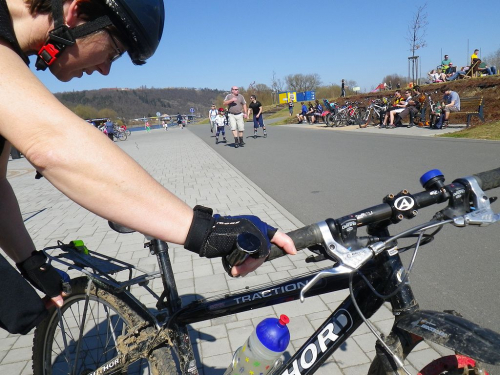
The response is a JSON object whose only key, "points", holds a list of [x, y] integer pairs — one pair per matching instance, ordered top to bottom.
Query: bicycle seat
{"points": [[119, 228]]}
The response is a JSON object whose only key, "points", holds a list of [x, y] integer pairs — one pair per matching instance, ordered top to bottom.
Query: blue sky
{"points": [[217, 44]]}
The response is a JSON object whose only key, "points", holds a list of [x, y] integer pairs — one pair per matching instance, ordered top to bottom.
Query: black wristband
{"points": [[202, 224]]}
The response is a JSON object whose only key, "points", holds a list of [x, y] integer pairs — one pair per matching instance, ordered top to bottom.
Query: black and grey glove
{"points": [[216, 236], [41, 275]]}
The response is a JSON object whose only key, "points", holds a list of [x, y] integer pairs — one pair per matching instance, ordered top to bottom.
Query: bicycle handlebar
{"points": [[488, 180], [311, 235]]}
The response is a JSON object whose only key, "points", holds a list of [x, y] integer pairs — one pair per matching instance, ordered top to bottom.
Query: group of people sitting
{"points": [[449, 72], [413, 104], [311, 113]]}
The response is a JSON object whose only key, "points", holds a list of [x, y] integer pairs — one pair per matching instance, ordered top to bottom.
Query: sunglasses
{"points": [[118, 51]]}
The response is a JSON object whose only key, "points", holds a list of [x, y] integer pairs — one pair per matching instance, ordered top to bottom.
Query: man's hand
{"points": [[245, 115], [217, 236], [280, 239], [41, 275], [54, 301]]}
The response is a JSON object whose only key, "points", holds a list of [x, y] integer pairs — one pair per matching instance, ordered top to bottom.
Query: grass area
{"points": [[490, 131]]}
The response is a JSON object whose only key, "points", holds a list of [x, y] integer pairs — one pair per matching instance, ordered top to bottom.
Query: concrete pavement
{"points": [[414, 131], [189, 168]]}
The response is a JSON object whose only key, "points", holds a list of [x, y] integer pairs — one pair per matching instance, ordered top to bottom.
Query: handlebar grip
{"points": [[489, 179], [302, 238]]}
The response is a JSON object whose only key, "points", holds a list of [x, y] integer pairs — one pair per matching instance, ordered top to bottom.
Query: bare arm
{"points": [[227, 102], [47, 141], [14, 238]]}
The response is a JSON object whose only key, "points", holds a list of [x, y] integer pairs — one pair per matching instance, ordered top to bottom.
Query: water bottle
{"points": [[263, 349]]}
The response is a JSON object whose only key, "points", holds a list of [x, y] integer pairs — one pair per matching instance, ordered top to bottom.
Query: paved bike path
{"points": [[189, 168]]}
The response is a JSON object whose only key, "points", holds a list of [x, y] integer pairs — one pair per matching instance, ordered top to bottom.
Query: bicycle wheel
{"points": [[367, 115], [329, 119], [338, 120], [128, 132], [122, 136], [89, 339], [449, 365]]}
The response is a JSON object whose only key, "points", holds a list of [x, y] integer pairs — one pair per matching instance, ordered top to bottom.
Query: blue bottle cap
{"points": [[273, 333]]}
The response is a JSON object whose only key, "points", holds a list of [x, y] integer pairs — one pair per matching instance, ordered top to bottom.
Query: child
{"points": [[220, 121]]}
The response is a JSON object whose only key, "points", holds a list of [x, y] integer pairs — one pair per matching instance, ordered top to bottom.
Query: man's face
{"points": [[93, 53], [235, 91]]}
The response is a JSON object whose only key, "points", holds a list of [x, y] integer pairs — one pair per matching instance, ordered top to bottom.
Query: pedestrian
{"points": [[83, 37], [343, 86], [237, 107], [290, 107], [212, 114], [258, 120], [179, 121], [220, 122], [165, 125], [147, 126], [109, 129]]}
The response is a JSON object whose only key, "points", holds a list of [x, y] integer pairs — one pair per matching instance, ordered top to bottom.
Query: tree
{"points": [[416, 35], [493, 59], [393, 79], [302, 82], [276, 87], [262, 91], [85, 111], [107, 113]]}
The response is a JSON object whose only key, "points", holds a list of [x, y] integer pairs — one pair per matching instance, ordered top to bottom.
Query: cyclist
{"points": [[70, 38]]}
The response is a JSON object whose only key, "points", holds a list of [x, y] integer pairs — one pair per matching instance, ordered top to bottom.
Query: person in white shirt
{"points": [[212, 114]]}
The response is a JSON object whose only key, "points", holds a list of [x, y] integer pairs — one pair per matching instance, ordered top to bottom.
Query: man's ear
{"points": [[72, 17]]}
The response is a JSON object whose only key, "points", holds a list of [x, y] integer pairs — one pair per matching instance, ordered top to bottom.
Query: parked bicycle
{"points": [[375, 112], [349, 114], [119, 133], [102, 327]]}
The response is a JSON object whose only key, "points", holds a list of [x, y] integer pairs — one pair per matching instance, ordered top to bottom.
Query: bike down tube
{"points": [[334, 331]]}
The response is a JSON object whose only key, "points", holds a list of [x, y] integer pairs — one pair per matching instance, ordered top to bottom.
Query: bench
{"points": [[471, 107]]}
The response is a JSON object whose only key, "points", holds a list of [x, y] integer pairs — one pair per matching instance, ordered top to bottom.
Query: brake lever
{"points": [[483, 214], [348, 261]]}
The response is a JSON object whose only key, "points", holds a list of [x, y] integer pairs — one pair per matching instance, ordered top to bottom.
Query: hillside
{"points": [[134, 103]]}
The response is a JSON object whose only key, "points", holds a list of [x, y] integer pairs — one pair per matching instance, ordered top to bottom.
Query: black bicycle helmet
{"points": [[139, 23]]}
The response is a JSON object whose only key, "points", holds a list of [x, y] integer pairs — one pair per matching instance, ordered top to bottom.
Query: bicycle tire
{"points": [[367, 115], [329, 119], [338, 120], [128, 133], [122, 136], [97, 344], [449, 365]]}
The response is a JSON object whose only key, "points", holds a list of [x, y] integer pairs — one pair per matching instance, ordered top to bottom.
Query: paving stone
{"points": [[194, 176]]}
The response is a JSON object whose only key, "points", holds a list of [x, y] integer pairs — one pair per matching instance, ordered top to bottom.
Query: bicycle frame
{"points": [[384, 273], [334, 331]]}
